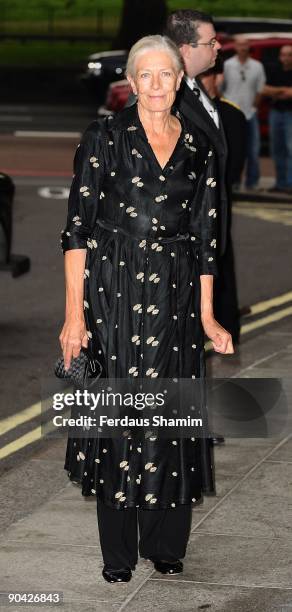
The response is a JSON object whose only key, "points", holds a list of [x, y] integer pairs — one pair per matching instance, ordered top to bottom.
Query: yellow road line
{"points": [[268, 304], [276, 316], [248, 327], [25, 415], [21, 417], [28, 438]]}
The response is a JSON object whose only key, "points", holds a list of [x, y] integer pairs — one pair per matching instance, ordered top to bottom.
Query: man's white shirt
{"points": [[192, 83]]}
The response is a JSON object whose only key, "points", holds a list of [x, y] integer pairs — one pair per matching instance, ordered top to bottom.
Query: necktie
{"points": [[196, 91]]}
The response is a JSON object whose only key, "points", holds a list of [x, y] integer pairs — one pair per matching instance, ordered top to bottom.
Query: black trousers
{"points": [[164, 534]]}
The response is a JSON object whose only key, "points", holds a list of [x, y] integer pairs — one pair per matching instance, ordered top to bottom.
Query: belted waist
{"points": [[160, 239]]}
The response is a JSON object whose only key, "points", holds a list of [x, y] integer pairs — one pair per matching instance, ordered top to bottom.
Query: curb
{"points": [[263, 196]]}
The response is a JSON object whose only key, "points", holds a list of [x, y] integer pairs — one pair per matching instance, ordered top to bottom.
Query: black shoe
{"points": [[217, 440], [168, 567], [117, 575]]}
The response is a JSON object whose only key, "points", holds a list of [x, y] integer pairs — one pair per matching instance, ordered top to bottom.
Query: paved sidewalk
{"points": [[266, 181], [239, 556]]}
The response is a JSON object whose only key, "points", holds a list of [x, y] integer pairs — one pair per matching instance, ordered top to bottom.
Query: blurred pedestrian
{"points": [[244, 79], [279, 88], [234, 123]]}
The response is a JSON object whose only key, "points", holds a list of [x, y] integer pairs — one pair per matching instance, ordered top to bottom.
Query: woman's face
{"points": [[156, 80]]}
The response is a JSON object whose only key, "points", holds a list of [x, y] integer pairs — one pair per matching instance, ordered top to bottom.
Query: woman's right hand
{"points": [[72, 337]]}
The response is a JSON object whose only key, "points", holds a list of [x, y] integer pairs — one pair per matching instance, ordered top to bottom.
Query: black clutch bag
{"points": [[82, 369]]}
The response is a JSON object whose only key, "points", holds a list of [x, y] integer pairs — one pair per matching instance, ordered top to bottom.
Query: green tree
{"points": [[140, 19]]}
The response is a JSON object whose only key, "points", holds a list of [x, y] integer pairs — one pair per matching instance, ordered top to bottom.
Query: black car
{"points": [[243, 25], [102, 69]]}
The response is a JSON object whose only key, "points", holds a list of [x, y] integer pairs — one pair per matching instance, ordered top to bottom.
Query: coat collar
{"points": [[194, 110], [128, 119]]}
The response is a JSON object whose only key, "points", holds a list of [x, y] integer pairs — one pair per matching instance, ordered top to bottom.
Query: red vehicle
{"points": [[264, 47]]}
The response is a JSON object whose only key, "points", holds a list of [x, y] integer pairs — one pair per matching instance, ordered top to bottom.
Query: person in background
{"points": [[194, 34], [244, 80], [279, 88], [234, 123]]}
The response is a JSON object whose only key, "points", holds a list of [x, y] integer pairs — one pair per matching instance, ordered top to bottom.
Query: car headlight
{"points": [[95, 67]]}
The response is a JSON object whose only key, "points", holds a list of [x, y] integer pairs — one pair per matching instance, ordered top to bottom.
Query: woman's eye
{"points": [[166, 73], [144, 75]]}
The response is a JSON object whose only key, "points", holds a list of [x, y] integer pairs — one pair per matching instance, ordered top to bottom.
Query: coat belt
{"points": [[161, 240]]}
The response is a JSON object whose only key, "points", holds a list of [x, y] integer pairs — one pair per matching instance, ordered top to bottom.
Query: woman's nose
{"points": [[156, 82]]}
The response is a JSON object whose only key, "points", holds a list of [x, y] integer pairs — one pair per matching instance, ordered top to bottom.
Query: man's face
{"points": [[242, 48], [202, 57], [285, 57]]}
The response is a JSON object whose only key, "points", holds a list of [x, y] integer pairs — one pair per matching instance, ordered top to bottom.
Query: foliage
{"points": [[38, 9], [98, 18]]}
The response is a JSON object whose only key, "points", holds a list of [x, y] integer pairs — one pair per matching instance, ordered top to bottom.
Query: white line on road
{"points": [[8, 108], [8, 118], [43, 134]]}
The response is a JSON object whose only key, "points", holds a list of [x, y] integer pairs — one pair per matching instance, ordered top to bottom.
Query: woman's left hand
{"points": [[220, 338]]}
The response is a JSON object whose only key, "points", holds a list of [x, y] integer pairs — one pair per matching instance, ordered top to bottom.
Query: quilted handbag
{"points": [[82, 368]]}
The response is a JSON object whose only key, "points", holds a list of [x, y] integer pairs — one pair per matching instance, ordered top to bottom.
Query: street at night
{"points": [[239, 555]]}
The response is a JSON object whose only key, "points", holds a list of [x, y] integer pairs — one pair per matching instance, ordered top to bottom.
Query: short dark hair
{"points": [[182, 26]]}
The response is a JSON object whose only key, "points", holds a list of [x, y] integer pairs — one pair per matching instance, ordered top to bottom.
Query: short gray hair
{"points": [[149, 43]]}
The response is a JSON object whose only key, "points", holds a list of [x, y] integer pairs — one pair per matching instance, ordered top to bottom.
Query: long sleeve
{"points": [[85, 188], [203, 217]]}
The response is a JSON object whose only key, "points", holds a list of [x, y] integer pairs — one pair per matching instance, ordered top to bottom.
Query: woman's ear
{"points": [[179, 79], [132, 83]]}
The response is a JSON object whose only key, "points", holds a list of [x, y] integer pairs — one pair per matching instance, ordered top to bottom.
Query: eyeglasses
{"points": [[211, 43], [242, 74]]}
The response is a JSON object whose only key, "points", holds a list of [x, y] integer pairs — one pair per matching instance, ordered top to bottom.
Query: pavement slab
{"points": [[284, 453], [24, 490], [267, 517], [69, 522], [237, 561], [74, 570], [164, 595]]}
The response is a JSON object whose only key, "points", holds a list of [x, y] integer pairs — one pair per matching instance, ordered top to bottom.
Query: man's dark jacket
{"points": [[189, 104]]}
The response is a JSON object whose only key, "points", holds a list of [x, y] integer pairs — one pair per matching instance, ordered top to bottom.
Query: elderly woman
{"points": [[140, 250]]}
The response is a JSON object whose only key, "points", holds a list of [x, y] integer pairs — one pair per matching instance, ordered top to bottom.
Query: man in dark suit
{"points": [[194, 34], [234, 122]]}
